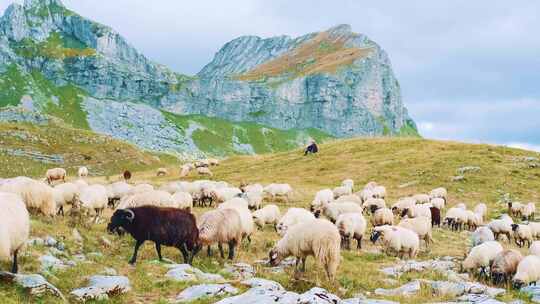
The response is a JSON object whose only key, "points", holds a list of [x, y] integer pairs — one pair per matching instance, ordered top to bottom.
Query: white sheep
{"points": [[185, 169], [204, 171], [82, 172], [162, 172], [56, 174], [81, 183], [348, 183], [140, 188], [252, 188], [279, 190], [116, 191], [341, 191], [379, 192], [439, 193], [35, 194], [65, 194], [365, 194], [220, 195], [324, 196], [93, 198], [148, 198], [349, 198], [421, 198], [183, 200], [254, 200], [438, 203], [373, 204], [402, 204], [461, 206], [515, 208], [481, 209], [333, 210], [417, 211], [528, 211], [270, 214], [245, 215], [383, 216], [292, 217], [455, 218], [473, 219], [421, 225], [220, 226], [351, 226], [501, 226], [14, 227], [535, 229], [522, 234], [482, 235], [318, 238], [398, 239], [535, 248], [481, 256], [528, 271]]}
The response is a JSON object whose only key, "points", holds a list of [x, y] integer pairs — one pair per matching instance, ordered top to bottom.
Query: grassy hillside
{"points": [[404, 166]]}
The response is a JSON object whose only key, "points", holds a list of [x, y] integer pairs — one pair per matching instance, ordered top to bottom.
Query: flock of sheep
{"points": [[336, 216]]}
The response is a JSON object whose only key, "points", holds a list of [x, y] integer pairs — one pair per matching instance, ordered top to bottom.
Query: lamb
{"points": [[204, 171], [82, 172], [162, 172], [55, 174], [348, 183], [279, 190], [341, 191], [439, 193], [35, 194], [65, 194], [324, 196], [94, 198], [421, 198], [183, 200], [437, 202], [515, 208], [481, 209], [333, 210], [528, 211], [268, 215], [382, 216], [292, 217], [246, 219], [351, 225], [420, 225], [164, 226], [220, 226], [501, 226], [14, 228], [482, 235], [522, 235], [318, 238], [401, 240], [535, 248], [481, 256], [504, 265], [528, 271]]}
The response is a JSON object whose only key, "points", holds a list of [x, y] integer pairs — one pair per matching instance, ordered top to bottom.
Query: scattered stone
{"points": [[468, 169], [50, 241], [36, 242], [61, 246], [57, 253], [51, 263], [441, 265], [109, 271], [240, 271], [185, 272], [257, 282], [34, 284], [102, 287], [408, 289], [205, 290], [454, 290], [533, 292], [263, 295], [317, 295], [367, 301]]}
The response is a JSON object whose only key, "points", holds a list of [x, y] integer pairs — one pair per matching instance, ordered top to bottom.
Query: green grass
{"points": [[57, 46], [13, 86], [408, 130]]}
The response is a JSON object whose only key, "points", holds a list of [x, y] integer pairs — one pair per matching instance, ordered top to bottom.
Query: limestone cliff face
{"points": [[63, 64]]}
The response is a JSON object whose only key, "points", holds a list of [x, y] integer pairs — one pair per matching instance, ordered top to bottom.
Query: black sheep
{"points": [[435, 216], [164, 226]]}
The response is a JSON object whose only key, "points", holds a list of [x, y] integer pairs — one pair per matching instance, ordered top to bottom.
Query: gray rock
{"points": [[468, 169], [458, 178], [50, 241], [36, 242], [51, 263], [418, 266], [109, 271], [240, 271], [185, 272], [264, 283], [34, 284], [101, 287], [408, 289], [205, 290], [533, 292], [263, 295], [318, 295], [367, 301]]}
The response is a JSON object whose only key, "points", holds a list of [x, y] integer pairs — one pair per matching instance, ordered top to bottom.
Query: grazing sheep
{"points": [[185, 169], [204, 171], [82, 172], [162, 172], [55, 174], [127, 175], [81, 183], [348, 183], [140, 188], [252, 188], [279, 190], [116, 191], [341, 191], [379, 192], [439, 193], [35, 194], [65, 194], [365, 194], [220, 195], [325, 196], [93, 198], [147, 198], [349, 198], [421, 198], [254, 199], [183, 200], [235, 202], [437, 202], [373, 204], [402, 204], [461, 206], [515, 208], [481, 209], [333, 210], [417, 210], [528, 211], [268, 215], [245, 216], [382, 216], [435, 216], [292, 217], [455, 218], [473, 219], [351, 225], [420, 225], [163, 226], [220, 226], [501, 226], [14, 227], [535, 229], [482, 235], [522, 235], [318, 238], [398, 239], [535, 248], [481, 256], [504, 265], [528, 271]]}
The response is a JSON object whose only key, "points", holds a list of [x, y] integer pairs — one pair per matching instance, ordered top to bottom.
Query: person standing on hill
{"points": [[311, 149]]}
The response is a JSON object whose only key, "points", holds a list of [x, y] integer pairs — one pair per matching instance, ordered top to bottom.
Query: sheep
{"points": [[213, 161], [202, 163], [185, 169], [204, 171], [82, 172], [162, 172], [55, 174], [126, 175], [81, 183], [348, 183], [252, 188], [279, 190], [116, 191], [341, 191], [379, 192], [439, 193], [35, 194], [65, 194], [224, 194], [365, 194], [324, 196], [94, 198], [148, 198], [349, 198], [421, 198], [254, 199], [183, 200], [235, 202], [437, 202], [373, 204], [402, 204], [461, 206], [515, 208], [481, 209], [333, 210], [417, 210], [528, 211], [268, 215], [382, 216], [435, 216], [292, 217], [246, 218], [455, 218], [507, 218], [473, 219], [351, 225], [420, 225], [163, 226], [220, 226], [501, 226], [14, 227], [535, 229], [482, 235], [522, 235], [318, 238], [401, 240], [535, 248], [481, 256], [504, 265], [528, 271]]}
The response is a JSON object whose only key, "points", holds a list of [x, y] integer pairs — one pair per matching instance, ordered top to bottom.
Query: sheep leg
{"points": [[348, 243], [359, 243], [232, 244], [158, 250], [209, 251], [221, 251], [184, 252], [134, 257], [304, 264], [15, 267]]}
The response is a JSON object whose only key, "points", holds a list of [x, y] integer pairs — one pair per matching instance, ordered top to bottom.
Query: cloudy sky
{"points": [[469, 70]]}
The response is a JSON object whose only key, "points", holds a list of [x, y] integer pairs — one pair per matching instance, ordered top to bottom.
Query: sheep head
{"points": [[120, 219], [274, 257]]}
